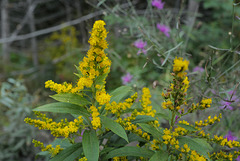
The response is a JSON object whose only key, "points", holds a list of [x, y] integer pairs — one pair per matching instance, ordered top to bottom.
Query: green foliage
{"points": [[61, 50], [71, 98], [62, 107], [114, 127], [121, 129], [15, 135], [90, 145], [130, 151], [70, 153], [160, 156]]}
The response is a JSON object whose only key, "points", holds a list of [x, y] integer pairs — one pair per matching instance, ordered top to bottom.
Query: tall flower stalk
{"points": [[104, 123]]}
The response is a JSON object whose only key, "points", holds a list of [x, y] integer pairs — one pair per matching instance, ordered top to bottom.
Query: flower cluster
{"points": [[158, 4], [164, 29], [141, 46], [95, 64], [179, 66], [126, 78], [175, 96], [145, 102], [205, 103], [227, 104], [119, 108], [208, 121], [96, 122], [63, 128], [170, 138], [180, 140], [225, 142], [53, 151], [224, 155], [194, 156], [124, 158], [83, 159]]}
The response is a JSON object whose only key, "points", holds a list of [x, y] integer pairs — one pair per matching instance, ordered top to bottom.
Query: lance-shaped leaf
{"points": [[99, 79], [119, 93], [71, 98], [61, 107], [162, 115], [143, 119], [114, 127], [187, 127], [152, 130], [90, 145], [199, 145], [130, 151], [69, 154], [159, 156]]}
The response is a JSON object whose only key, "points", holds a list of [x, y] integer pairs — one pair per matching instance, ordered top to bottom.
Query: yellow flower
{"points": [[95, 64], [180, 65]]}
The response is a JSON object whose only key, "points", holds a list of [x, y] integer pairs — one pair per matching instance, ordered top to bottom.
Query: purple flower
{"points": [[158, 3], [164, 29], [140, 45], [198, 69], [127, 78], [213, 91], [232, 93], [233, 97], [226, 105], [177, 117], [81, 134], [229, 136], [238, 158]]}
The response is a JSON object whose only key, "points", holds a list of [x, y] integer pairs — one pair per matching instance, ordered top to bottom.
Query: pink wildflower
{"points": [[158, 3], [164, 29], [140, 45], [198, 69], [127, 78], [232, 92], [233, 99], [226, 105], [177, 117], [229, 136], [238, 158]]}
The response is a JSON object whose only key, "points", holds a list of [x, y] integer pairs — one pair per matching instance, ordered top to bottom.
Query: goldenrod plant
{"points": [[109, 123]]}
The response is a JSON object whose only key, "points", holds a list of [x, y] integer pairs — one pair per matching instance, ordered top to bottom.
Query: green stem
{"points": [[231, 36], [172, 120]]}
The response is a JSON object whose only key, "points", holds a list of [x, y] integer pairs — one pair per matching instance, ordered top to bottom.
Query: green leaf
{"points": [[79, 74], [99, 79], [119, 93], [71, 98], [61, 107], [162, 115], [143, 119], [114, 127], [187, 127], [152, 130], [64, 143], [90, 145], [199, 145], [106, 150], [130, 151], [69, 154], [159, 156]]}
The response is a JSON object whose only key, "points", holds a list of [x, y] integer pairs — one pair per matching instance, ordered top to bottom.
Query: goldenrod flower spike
{"points": [[95, 64]]}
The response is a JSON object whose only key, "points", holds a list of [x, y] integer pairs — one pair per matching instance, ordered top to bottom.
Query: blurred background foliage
{"points": [[205, 32]]}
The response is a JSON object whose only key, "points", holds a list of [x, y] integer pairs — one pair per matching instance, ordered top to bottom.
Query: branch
{"points": [[25, 19], [56, 28], [51, 29]]}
